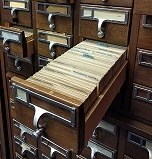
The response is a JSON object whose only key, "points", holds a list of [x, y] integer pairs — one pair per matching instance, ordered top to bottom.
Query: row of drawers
{"points": [[110, 140]]}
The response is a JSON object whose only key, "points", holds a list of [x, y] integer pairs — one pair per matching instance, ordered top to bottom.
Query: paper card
{"points": [[17, 5], [57, 9], [57, 39]]}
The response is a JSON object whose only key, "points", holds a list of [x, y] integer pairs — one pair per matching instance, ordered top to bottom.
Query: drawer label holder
{"points": [[16, 5], [53, 10], [103, 15], [54, 40], [23, 95], [141, 142], [25, 147], [96, 148], [54, 149]]}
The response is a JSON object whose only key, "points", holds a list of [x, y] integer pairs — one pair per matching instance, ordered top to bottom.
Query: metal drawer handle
{"points": [[14, 15], [103, 15], [51, 22], [52, 50], [141, 54], [42, 61], [18, 65], [148, 92], [105, 126], [140, 141], [25, 147], [54, 148], [96, 148]]}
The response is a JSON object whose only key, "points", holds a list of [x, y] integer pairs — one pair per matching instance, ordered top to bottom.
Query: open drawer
{"points": [[17, 40], [67, 121]]}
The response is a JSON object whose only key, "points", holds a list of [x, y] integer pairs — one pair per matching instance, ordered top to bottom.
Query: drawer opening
{"points": [[76, 89]]}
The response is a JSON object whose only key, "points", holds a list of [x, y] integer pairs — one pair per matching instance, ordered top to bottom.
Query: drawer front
{"points": [[58, 1], [120, 3], [143, 8], [17, 12], [54, 17], [98, 24], [145, 32], [13, 41], [52, 45], [20, 66], [143, 68], [141, 105], [44, 121], [23, 132], [107, 134], [138, 146], [52, 150], [26, 151], [97, 151]]}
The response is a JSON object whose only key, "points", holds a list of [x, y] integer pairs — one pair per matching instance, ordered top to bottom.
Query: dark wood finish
{"points": [[58, 1], [120, 3], [142, 8], [24, 18], [62, 24], [114, 33], [145, 38], [43, 50], [25, 64], [143, 73]]}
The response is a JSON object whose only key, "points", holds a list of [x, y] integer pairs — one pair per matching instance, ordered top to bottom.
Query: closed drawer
{"points": [[58, 1], [117, 3], [143, 8], [17, 12], [54, 17], [98, 23], [145, 32], [17, 41], [52, 44], [21, 66], [143, 68], [141, 105], [23, 132], [107, 134], [137, 146], [25, 150], [51, 150], [97, 151]]}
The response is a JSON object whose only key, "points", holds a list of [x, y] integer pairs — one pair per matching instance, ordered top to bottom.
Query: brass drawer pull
{"points": [[103, 15], [140, 141]]}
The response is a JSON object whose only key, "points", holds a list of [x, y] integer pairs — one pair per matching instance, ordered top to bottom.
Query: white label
{"points": [[17, 5], [87, 13], [110, 15], [8, 35], [57, 39], [21, 95]]}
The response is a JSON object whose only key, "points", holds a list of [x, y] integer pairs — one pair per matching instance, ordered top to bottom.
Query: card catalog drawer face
{"points": [[58, 1], [117, 3], [143, 8], [17, 12], [54, 17], [97, 23], [145, 32], [17, 40], [52, 44], [20, 66], [143, 68], [141, 105], [23, 132], [106, 133], [137, 146], [51, 150], [26, 151], [97, 151]]}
